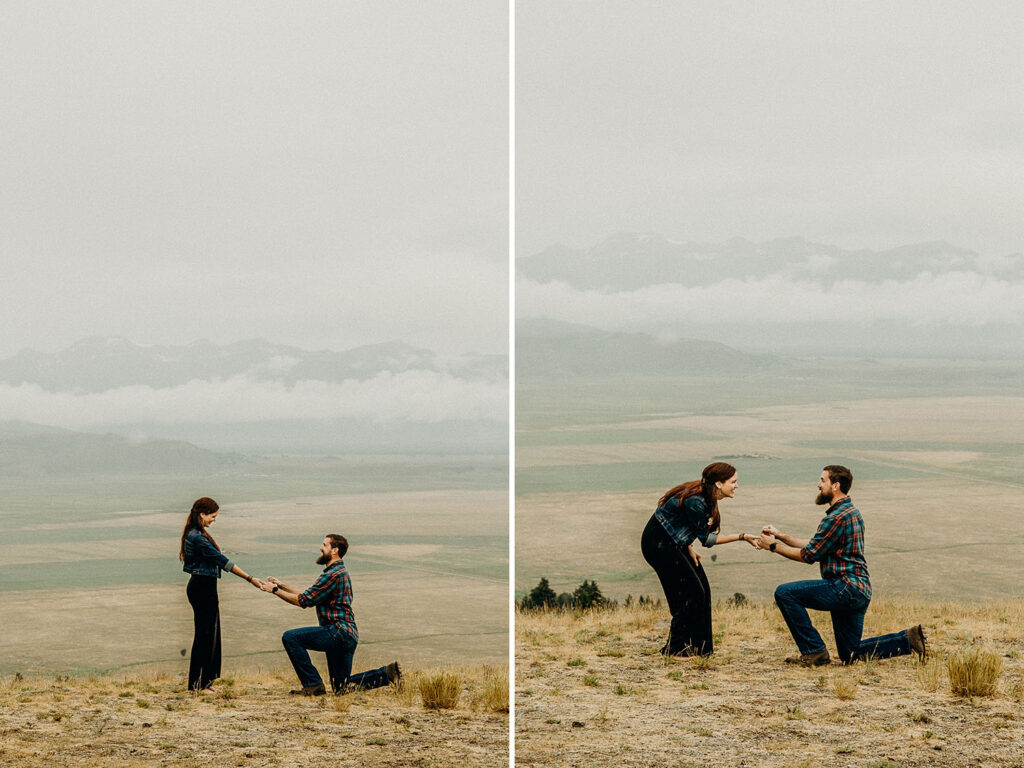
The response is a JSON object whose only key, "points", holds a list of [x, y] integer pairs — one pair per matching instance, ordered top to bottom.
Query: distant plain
{"points": [[935, 446], [91, 582]]}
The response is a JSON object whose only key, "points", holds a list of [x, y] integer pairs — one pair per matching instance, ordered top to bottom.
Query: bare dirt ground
{"points": [[593, 691], [153, 721]]}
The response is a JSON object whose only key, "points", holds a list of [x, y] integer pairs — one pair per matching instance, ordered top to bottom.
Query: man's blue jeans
{"points": [[847, 606], [339, 647]]}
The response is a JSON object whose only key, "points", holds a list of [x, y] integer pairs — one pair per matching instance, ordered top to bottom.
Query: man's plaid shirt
{"points": [[838, 546], [332, 596]]}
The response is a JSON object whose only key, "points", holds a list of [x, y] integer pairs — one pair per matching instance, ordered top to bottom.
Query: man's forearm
{"points": [[791, 541], [788, 550], [288, 597]]}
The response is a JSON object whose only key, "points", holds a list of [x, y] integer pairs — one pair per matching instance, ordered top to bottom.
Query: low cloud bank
{"points": [[959, 299], [413, 396]]}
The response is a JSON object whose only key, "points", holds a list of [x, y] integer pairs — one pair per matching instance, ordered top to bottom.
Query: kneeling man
{"points": [[844, 589], [336, 634]]}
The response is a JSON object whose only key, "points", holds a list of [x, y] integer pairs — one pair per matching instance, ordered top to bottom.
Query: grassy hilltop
{"points": [[593, 691], [153, 721]]}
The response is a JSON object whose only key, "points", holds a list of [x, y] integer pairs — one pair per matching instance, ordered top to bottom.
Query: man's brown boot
{"points": [[918, 642], [818, 659], [394, 670], [309, 690]]}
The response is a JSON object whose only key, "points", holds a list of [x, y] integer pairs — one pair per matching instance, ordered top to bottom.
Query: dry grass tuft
{"points": [[974, 672], [929, 674], [844, 688], [441, 690], [493, 695]]}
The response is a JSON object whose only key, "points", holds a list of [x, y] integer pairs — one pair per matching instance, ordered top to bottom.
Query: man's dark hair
{"points": [[840, 474], [338, 541]]}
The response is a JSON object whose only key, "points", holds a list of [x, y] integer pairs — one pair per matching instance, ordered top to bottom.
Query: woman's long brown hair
{"points": [[718, 472], [206, 506]]}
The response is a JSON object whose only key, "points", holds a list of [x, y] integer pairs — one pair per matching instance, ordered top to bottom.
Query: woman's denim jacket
{"points": [[686, 520], [202, 558]]}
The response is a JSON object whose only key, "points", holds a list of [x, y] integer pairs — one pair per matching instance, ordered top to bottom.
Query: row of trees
{"points": [[586, 595]]}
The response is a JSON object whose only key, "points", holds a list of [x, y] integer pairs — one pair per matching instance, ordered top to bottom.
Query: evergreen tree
{"points": [[588, 595], [540, 596]]}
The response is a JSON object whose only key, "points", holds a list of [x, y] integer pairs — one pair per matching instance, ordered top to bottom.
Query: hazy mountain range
{"points": [[629, 261], [787, 296], [555, 348], [99, 364], [262, 397]]}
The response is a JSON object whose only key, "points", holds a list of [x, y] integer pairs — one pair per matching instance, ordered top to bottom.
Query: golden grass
{"points": [[974, 671], [845, 688], [440, 690], [493, 695], [578, 705], [151, 720]]}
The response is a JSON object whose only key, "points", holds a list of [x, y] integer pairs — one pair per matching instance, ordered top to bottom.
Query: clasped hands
{"points": [[768, 536], [267, 585]]}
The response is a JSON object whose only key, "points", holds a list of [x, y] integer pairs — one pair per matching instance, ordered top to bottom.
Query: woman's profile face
{"points": [[727, 488], [206, 519]]}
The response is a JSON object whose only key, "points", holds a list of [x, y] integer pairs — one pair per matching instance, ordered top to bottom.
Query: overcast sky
{"points": [[860, 124], [323, 174]]}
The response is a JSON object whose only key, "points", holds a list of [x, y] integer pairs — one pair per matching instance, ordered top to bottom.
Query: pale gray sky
{"points": [[861, 124], [323, 174]]}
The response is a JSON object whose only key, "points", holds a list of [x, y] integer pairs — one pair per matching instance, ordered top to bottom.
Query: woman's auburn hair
{"points": [[716, 472], [204, 505]]}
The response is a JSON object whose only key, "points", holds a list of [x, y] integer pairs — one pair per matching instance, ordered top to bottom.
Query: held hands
{"points": [[765, 540], [257, 583], [268, 585]]}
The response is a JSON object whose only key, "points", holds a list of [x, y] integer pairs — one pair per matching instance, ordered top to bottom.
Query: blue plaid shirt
{"points": [[687, 520], [838, 546], [332, 596]]}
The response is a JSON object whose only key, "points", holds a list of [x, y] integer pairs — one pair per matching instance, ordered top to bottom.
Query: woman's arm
{"points": [[728, 538], [243, 575]]}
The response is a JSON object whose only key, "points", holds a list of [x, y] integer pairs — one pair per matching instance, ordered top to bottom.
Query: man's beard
{"points": [[823, 499], [323, 559]]}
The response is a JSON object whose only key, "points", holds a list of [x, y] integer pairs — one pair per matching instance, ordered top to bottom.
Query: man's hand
{"points": [[771, 529], [765, 540], [694, 554], [273, 580], [267, 586]]}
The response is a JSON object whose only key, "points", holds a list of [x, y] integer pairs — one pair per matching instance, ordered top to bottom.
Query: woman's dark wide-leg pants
{"points": [[686, 590], [204, 664]]}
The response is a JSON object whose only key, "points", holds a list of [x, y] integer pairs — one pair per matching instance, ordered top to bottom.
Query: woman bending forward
{"points": [[687, 512]]}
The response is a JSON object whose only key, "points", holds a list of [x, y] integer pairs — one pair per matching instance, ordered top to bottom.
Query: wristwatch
{"points": [[771, 547], [274, 590]]}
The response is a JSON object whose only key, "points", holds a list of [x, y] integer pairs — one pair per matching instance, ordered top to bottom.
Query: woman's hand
{"points": [[694, 554]]}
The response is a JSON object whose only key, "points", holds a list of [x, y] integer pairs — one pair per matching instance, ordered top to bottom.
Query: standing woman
{"points": [[687, 512], [204, 560]]}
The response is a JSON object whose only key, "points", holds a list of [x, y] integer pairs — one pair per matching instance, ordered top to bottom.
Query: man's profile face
{"points": [[825, 491], [327, 551]]}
